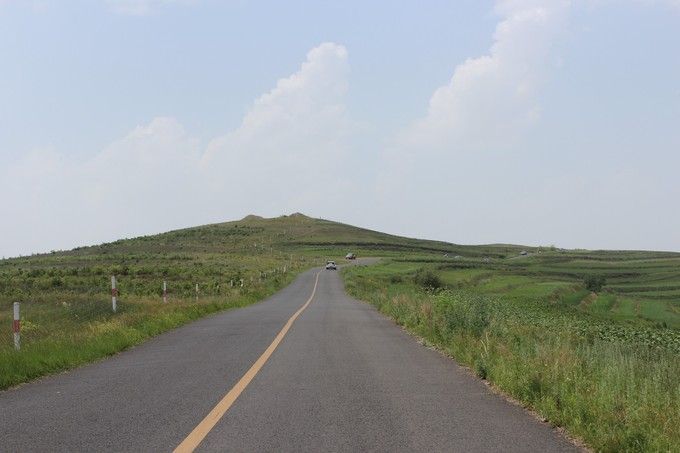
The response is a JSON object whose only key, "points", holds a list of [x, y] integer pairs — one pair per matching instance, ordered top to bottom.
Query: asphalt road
{"points": [[343, 378]]}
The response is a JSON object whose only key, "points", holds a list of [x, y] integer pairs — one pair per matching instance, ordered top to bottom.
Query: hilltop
{"points": [[295, 233]]}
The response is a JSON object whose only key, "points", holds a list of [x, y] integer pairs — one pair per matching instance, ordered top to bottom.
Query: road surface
{"points": [[341, 378]]}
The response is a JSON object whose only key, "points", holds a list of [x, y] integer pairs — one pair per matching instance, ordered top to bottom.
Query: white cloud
{"points": [[143, 7], [492, 98], [489, 102], [279, 121], [293, 138], [287, 152], [468, 170], [132, 185]]}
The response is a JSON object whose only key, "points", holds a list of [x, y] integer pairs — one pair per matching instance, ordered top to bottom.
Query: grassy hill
{"points": [[212, 256]]}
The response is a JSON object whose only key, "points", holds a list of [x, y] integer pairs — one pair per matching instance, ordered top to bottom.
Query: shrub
{"points": [[427, 279], [594, 282]]}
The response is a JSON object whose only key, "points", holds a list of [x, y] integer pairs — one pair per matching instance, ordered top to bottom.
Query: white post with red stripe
{"points": [[165, 291], [114, 293], [16, 327]]}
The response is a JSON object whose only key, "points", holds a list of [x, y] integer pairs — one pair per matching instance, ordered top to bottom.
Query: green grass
{"points": [[644, 286], [60, 336], [612, 383]]}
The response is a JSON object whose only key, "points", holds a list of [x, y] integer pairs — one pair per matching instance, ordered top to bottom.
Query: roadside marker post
{"points": [[241, 283], [165, 292], [196, 292], [114, 294], [16, 327]]}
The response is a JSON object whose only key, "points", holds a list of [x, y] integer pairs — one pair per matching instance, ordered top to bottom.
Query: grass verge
{"points": [[58, 336]]}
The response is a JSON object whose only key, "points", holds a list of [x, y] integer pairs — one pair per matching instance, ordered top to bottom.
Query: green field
{"points": [[642, 288], [602, 361]]}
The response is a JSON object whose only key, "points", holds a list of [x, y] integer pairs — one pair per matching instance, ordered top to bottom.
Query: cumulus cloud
{"points": [[492, 98], [489, 102], [293, 138], [289, 144], [469, 165], [132, 185]]}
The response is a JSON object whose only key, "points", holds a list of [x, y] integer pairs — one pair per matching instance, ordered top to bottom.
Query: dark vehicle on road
{"points": [[330, 265]]}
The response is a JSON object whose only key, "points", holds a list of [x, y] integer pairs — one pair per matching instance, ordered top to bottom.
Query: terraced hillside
{"points": [[636, 285]]}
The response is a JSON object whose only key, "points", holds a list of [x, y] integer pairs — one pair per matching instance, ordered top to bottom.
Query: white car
{"points": [[330, 265]]}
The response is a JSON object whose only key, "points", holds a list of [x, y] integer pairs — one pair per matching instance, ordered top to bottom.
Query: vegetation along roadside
{"points": [[615, 384]]}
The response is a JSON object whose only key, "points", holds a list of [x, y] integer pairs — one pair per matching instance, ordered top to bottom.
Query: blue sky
{"points": [[524, 121]]}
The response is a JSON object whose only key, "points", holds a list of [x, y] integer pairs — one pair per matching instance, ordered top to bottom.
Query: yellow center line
{"points": [[196, 436]]}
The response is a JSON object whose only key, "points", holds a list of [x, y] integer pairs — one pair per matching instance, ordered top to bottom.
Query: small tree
{"points": [[428, 279], [594, 283]]}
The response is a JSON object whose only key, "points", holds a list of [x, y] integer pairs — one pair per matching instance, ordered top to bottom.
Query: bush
{"points": [[427, 279], [594, 283]]}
